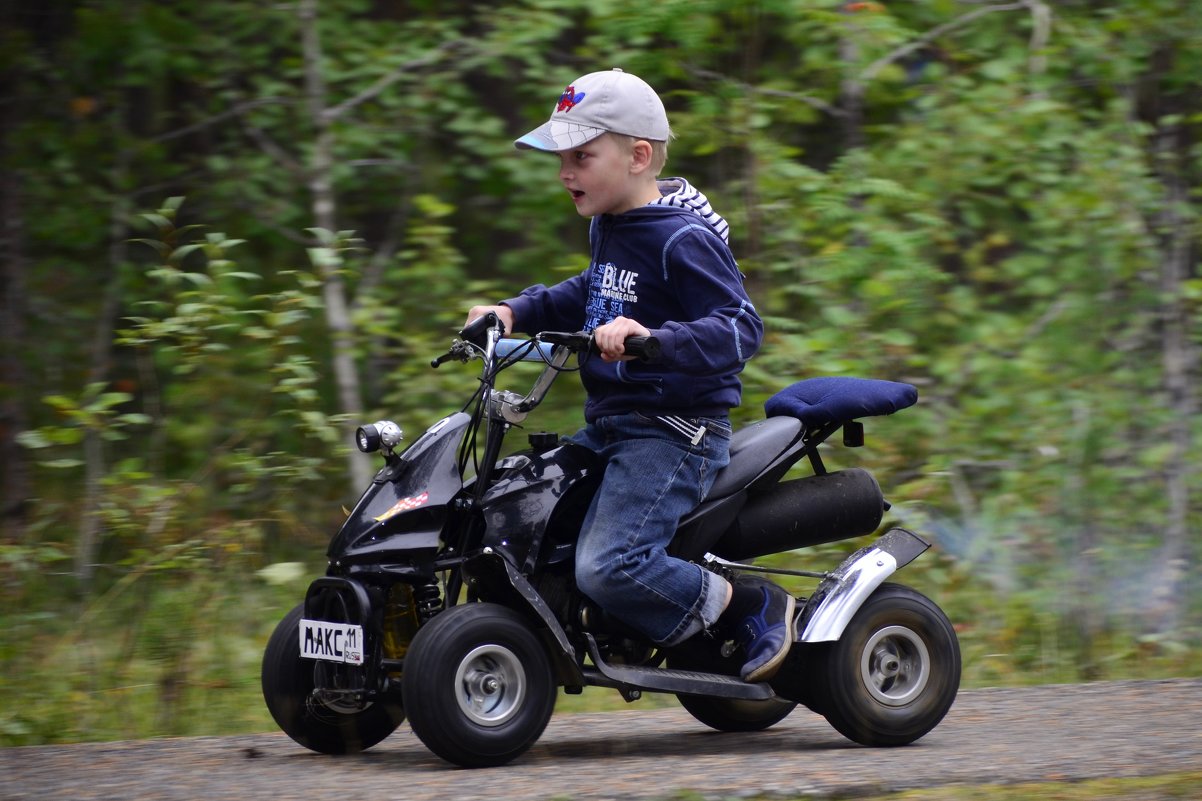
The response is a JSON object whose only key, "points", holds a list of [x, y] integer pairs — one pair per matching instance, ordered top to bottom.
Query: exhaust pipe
{"points": [[804, 512]]}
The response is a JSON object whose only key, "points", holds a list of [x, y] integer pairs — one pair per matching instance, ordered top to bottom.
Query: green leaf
{"points": [[157, 220], [162, 248], [181, 252], [199, 279], [32, 439], [62, 464], [282, 573]]}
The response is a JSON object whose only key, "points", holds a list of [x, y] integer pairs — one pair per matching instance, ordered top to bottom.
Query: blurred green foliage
{"points": [[997, 203]]}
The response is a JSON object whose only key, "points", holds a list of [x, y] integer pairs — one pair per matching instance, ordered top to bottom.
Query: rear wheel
{"points": [[894, 673], [478, 685], [724, 714], [736, 714], [322, 726]]}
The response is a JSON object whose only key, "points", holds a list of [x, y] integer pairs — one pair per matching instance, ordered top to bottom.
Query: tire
{"points": [[894, 673], [478, 685], [288, 690], [725, 714], [736, 714]]}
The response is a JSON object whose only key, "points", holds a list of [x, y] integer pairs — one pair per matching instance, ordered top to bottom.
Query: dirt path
{"points": [[1054, 733]]}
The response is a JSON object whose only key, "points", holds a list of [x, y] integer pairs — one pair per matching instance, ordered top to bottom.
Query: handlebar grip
{"points": [[475, 330], [646, 348]]}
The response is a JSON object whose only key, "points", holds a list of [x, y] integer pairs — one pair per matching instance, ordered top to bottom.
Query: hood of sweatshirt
{"points": [[679, 193]]}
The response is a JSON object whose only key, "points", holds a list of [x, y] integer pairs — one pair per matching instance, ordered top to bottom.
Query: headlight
{"points": [[383, 434]]}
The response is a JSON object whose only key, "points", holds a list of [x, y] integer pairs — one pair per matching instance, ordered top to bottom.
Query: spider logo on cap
{"points": [[569, 99]]}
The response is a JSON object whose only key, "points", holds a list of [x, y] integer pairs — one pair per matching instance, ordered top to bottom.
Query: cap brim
{"points": [[557, 135]]}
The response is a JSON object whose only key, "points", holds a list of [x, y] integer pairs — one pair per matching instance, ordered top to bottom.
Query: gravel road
{"points": [[1051, 733]]}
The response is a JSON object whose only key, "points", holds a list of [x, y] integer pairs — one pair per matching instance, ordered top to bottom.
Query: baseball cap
{"points": [[609, 101]]}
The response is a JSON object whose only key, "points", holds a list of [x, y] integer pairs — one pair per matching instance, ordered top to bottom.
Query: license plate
{"points": [[332, 642]]}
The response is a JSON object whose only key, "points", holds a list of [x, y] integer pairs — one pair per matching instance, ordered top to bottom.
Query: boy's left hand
{"points": [[610, 338]]}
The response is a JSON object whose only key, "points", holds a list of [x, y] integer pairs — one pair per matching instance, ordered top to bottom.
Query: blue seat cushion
{"points": [[817, 401]]}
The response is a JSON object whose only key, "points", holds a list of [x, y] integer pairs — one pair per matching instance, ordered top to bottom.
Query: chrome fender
{"points": [[841, 594]]}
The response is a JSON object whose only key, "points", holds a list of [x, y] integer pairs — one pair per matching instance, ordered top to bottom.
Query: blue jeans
{"points": [[655, 474]]}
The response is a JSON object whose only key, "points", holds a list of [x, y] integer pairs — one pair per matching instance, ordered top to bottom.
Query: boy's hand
{"points": [[503, 312], [610, 338]]}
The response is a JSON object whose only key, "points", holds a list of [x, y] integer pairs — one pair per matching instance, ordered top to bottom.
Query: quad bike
{"points": [[450, 599]]}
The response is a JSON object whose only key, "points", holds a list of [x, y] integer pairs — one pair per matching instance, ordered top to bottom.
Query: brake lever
{"points": [[460, 351]]}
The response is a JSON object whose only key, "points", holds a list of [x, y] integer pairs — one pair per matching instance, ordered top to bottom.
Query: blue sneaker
{"points": [[767, 635]]}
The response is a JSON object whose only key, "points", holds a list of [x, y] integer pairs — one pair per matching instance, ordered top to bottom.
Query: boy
{"points": [[660, 266]]}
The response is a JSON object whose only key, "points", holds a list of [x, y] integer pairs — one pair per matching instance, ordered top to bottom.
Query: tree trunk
{"points": [[851, 89], [324, 205], [1178, 365], [14, 464], [87, 544], [1082, 612]]}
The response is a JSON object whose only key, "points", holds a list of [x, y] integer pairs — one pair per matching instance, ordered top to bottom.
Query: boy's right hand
{"points": [[504, 313]]}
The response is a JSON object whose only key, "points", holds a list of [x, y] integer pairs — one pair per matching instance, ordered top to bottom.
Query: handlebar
{"points": [[484, 337], [541, 347], [646, 348], [531, 351]]}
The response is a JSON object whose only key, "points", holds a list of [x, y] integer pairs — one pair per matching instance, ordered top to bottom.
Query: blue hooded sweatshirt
{"points": [[666, 265]]}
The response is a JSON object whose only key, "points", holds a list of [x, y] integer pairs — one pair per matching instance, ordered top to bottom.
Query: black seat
{"points": [[831, 399], [813, 402], [752, 449]]}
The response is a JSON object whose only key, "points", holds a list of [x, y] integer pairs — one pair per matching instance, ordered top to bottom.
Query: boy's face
{"points": [[604, 177]]}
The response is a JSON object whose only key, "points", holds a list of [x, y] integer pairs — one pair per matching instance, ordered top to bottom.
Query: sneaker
{"points": [[766, 635]]}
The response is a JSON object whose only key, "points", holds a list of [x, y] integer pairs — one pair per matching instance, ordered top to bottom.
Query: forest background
{"points": [[230, 230]]}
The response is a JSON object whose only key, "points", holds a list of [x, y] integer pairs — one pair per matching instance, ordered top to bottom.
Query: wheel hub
{"points": [[895, 665], [490, 685]]}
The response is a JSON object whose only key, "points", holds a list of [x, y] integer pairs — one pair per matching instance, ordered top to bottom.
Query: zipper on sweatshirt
{"points": [[605, 226]]}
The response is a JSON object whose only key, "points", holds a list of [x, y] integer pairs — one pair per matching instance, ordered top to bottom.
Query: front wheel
{"points": [[894, 673], [288, 683], [478, 685]]}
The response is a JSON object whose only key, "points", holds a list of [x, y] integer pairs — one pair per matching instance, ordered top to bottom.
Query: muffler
{"points": [[804, 512]]}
